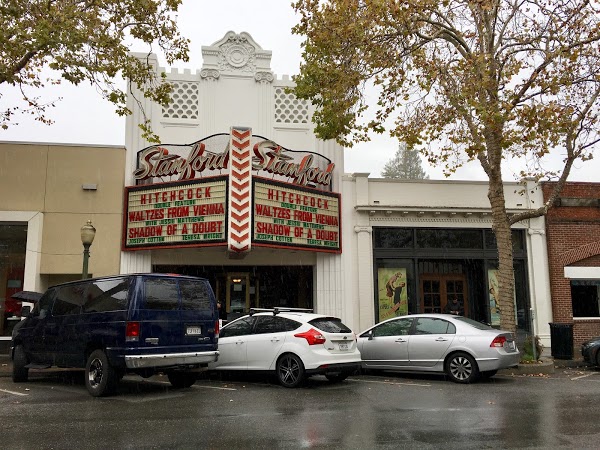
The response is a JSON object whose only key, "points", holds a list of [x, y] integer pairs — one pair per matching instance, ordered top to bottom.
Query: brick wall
{"points": [[573, 237]]}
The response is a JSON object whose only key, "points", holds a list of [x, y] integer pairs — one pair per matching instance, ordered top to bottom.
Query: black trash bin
{"points": [[561, 339]]}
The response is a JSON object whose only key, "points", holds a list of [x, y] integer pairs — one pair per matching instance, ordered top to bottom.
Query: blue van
{"points": [[140, 323]]}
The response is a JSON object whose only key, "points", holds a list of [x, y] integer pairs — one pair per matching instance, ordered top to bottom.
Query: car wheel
{"points": [[461, 368], [290, 370], [19, 371], [488, 374], [100, 377], [337, 377], [181, 380]]}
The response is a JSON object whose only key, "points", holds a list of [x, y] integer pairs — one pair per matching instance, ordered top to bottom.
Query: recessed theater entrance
{"points": [[241, 287]]}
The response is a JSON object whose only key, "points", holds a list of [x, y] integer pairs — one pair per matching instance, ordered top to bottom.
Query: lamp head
{"points": [[88, 232]]}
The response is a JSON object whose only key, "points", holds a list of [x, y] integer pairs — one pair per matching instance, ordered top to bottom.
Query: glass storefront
{"points": [[13, 240], [422, 270]]}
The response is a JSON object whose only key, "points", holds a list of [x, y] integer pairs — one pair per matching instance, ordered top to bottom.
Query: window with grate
{"points": [[184, 101], [288, 108]]}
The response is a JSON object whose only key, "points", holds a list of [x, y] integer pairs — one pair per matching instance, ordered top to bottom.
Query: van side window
{"points": [[161, 294], [106, 295], [194, 296], [69, 300], [44, 305]]}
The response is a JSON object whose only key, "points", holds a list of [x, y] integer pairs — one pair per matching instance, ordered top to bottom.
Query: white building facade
{"points": [[359, 248]]}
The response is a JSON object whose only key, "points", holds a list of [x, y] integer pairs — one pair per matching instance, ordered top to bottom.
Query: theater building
{"points": [[242, 192]]}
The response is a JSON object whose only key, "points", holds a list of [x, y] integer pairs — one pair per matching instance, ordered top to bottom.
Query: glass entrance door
{"points": [[438, 290], [238, 293]]}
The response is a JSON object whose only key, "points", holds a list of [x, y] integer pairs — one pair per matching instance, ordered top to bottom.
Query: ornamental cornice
{"points": [[210, 74], [264, 77], [363, 229]]}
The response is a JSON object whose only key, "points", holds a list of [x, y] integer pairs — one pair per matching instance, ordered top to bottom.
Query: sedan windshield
{"points": [[474, 323]]}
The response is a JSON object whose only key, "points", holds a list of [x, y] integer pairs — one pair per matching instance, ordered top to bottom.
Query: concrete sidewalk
{"points": [[545, 366]]}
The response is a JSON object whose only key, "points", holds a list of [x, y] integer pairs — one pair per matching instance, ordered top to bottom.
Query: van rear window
{"points": [[161, 293], [107, 295], [194, 295]]}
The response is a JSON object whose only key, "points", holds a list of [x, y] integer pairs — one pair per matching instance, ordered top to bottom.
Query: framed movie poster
{"points": [[493, 283], [393, 295]]}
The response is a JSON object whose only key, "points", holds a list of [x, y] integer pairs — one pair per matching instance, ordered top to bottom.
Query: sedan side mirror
{"points": [[370, 335]]}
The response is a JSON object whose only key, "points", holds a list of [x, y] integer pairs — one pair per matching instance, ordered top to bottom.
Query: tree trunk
{"points": [[506, 276]]}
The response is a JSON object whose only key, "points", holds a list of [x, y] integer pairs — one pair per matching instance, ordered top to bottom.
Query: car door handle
{"points": [[275, 339], [441, 339], [400, 340], [239, 342]]}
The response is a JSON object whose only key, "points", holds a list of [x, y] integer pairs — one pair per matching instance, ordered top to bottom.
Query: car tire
{"points": [[461, 368], [290, 370], [19, 371], [488, 374], [100, 377], [337, 377], [180, 380]]}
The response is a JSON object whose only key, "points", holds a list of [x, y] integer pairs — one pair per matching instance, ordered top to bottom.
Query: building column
{"points": [[539, 285], [365, 314]]}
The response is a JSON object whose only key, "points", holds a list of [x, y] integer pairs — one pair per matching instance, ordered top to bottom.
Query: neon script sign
{"points": [[172, 162]]}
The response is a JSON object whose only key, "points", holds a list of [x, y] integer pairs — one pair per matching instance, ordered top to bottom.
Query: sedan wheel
{"points": [[461, 368], [290, 371]]}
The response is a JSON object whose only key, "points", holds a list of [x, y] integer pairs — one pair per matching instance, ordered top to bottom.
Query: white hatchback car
{"points": [[292, 343]]}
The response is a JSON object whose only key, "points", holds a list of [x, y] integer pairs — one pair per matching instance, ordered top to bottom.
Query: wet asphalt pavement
{"points": [[54, 411]]}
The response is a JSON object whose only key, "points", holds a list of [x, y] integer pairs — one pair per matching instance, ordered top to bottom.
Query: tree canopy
{"points": [[85, 41], [462, 80], [405, 165]]}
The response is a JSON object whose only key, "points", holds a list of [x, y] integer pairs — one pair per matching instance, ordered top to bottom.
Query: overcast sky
{"points": [[83, 117]]}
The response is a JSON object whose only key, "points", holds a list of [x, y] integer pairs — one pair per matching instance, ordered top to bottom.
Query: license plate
{"points": [[193, 331], [344, 347]]}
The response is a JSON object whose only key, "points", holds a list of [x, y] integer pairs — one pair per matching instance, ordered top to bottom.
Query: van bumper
{"points": [[170, 359]]}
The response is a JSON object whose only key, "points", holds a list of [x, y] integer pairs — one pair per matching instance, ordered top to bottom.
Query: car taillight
{"points": [[217, 329], [132, 332], [312, 336], [498, 341]]}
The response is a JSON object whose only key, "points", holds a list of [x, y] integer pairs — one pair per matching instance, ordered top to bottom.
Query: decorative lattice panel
{"points": [[184, 101], [288, 108]]}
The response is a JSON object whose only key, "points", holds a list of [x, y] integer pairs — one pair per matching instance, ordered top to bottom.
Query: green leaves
{"points": [[86, 40]]}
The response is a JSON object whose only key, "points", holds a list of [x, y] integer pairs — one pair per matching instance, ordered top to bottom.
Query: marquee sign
{"points": [[235, 190], [175, 214], [285, 216]]}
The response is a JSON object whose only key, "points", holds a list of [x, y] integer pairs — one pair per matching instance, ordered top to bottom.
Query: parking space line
{"points": [[583, 376], [392, 382], [197, 386], [13, 392]]}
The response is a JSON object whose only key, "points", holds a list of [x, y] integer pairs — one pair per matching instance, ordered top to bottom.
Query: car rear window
{"points": [[161, 294], [107, 295], [194, 295], [474, 323], [330, 325]]}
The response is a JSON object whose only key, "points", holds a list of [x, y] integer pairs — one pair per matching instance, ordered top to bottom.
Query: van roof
{"points": [[153, 275]]}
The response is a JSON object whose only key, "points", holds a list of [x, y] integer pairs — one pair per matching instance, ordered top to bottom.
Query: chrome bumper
{"points": [[170, 359]]}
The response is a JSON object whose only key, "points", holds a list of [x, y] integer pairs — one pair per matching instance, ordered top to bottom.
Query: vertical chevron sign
{"points": [[240, 190]]}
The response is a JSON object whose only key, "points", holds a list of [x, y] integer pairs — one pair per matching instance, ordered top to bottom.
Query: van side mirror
{"points": [[25, 311]]}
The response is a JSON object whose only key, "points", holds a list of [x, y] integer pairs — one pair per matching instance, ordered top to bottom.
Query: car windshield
{"points": [[474, 323], [330, 325]]}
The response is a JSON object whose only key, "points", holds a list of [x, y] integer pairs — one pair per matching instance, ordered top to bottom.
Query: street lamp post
{"points": [[88, 232]]}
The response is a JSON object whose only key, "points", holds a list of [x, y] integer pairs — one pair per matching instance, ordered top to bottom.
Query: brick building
{"points": [[573, 237]]}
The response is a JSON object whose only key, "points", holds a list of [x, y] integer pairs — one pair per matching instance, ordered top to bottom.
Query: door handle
{"points": [[275, 339], [441, 339], [400, 340], [239, 342]]}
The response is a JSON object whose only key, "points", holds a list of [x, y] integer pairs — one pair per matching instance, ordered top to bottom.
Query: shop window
{"points": [[393, 237], [13, 238], [448, 238], [518, 240], [585, 298]]}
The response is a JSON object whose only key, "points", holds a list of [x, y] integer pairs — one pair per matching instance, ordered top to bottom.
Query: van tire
{"points": [[19, 371], [100, 377], [181, 380]]}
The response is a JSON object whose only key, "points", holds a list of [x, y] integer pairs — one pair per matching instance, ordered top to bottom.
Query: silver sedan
{"points": [[461, 348]]}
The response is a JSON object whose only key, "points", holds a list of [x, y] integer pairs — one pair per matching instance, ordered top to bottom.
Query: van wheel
{"points": [[19, 371], [290, 371], [100, 377], [181, 380]]}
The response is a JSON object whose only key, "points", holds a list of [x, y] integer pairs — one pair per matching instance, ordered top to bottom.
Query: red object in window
{"points": [[312, 336]]}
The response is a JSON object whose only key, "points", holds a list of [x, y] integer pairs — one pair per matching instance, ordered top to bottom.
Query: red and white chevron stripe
{"points": [[240, 190]]}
